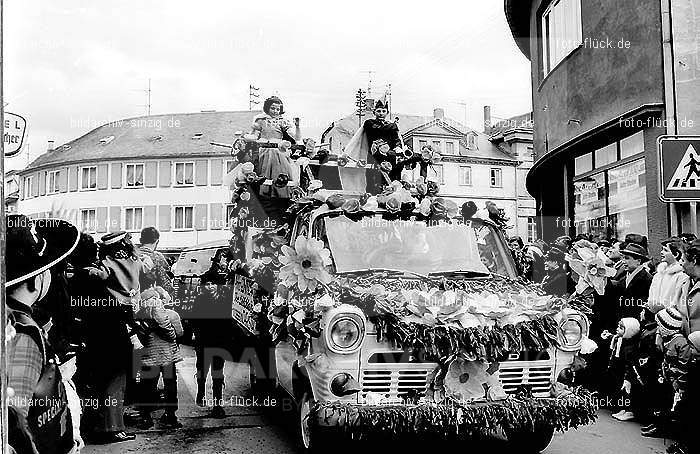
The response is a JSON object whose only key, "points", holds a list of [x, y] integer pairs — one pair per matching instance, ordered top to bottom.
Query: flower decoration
{"points": [[343, 160], [361, 163], [385, 166], [282, 180], [315, 185], [432, 188], [245, 196], [335, 201], [393, 205], [351, 206], [425, 207], [438, 207], [588, 263], [304, 265]]}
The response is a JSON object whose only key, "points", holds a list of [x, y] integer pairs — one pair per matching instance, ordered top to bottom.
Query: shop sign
{"points": [[13, 133], [679, 168], [243, 303]]}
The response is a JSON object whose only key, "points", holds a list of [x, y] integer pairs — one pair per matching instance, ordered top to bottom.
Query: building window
{"points": [[561, 32], [471, 141], [632, 145], [449, 148], [606, 155], [583, 164], [230, 165], [184, 173], [435, 173], [134, 175], [465, 176], [88, 178], [496, 178], [52, 181], [28, 187], [612, 203], [184, 218], [133, 219], [88, 220], [531, 229]]}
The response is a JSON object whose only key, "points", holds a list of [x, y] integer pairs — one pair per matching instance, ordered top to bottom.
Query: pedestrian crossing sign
{"points": [[679, 168]]}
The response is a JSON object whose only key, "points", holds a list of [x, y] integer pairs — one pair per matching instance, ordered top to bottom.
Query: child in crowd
{"points": [[677, 353], [623, 357]]}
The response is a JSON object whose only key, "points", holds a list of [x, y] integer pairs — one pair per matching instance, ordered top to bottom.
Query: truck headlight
{"points": [[573, 328], [345, 333]]}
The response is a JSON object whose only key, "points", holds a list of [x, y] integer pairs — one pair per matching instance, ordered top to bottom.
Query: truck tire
{"points": [[310, 440], [531, 442]]}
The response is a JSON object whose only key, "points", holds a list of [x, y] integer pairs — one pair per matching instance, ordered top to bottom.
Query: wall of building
{"points": [[592, 85]]}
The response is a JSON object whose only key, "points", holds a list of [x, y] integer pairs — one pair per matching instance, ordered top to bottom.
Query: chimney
{"points": [[369, 104], [438, 113], [487, 118], [50, 147]]}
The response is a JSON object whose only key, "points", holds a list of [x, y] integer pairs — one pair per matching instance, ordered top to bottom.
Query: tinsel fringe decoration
{"points": [[439, 343], [455, 419]]}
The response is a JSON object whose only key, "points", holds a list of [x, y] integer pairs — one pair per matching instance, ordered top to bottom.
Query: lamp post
{"points": [[3, 246]]}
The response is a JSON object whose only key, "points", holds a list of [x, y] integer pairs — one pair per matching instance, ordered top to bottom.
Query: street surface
{"points": [[248, 430]]}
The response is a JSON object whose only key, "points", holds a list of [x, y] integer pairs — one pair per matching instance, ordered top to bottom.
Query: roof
{"points": [[518, 17], [522, 121], [410, 125], [157, 136]]}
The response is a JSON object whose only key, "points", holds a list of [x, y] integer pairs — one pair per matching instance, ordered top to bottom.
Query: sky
{"points": [[71, 66]]}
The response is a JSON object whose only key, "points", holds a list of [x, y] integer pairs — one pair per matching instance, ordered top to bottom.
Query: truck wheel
{"points": [[309, 439], [531, 442]]}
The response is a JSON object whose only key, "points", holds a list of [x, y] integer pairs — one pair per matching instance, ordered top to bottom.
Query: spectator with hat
{"points": [[556, 281], [634, 286], [690, 306], [40, 398]]}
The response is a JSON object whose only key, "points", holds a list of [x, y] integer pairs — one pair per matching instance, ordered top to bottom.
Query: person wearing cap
{"points": [[556, 281], [670, 284], [634, 287], [690, 306], [677, 351], [623, 352], [40, 396]]}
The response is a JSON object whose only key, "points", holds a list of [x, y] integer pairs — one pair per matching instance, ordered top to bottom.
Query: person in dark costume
{"points": [[556, 281], [212, 326]]}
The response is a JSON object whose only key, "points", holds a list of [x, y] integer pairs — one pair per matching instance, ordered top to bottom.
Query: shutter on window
{"points": [[217, 169], [102, 170], [151, 170], [200, 172], [165, 174], [116, 175], [73, 178], [63, 180], [42, 183], [35, 184], [216, 215], [149, 216], [200, 216], [164, 218], [101, 219], [115, 219]]}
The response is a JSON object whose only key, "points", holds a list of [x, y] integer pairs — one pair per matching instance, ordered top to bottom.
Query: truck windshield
{"points": [[471, 248]]}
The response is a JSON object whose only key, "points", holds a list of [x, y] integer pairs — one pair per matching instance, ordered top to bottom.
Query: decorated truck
{"points": [[398, 314]]}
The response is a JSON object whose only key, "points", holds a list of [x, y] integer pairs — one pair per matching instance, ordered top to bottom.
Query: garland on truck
{"points": [[514, 415]]}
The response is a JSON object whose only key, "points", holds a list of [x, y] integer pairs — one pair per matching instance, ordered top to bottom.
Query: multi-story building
{"points": [[608, 78], [477, 166], [158, 170], [11, 191]]}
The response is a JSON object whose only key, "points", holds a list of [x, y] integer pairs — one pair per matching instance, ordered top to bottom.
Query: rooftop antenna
{"points": [[369, 82], [147, 91], [253, 96]]}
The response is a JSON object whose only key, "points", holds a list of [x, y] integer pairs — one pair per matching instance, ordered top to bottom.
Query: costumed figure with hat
{"points": [[378, 144], [41, 399]]}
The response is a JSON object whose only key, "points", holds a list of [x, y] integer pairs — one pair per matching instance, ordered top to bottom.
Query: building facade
{"points": [[608, 78], [477, 166], [157, 171], [12, 180]]}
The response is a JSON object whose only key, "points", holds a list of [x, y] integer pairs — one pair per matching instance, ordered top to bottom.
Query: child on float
{"points": [[623, 354]]}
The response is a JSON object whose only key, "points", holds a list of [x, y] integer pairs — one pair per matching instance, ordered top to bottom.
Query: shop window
{"points": [[561, 32], [632, 145], [606, 155], [583, 164]]}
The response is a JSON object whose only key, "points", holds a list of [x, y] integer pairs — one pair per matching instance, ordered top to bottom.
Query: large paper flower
{"points": [[589, 264], [304, 265]]}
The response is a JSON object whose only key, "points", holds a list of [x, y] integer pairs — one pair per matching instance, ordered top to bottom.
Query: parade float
{"points": [[396, 313]]}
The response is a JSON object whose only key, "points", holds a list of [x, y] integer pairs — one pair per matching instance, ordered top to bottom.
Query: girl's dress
{"points": [[274, 161]]}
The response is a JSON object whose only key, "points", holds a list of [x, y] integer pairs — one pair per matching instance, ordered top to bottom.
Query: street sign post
{"points": [[14, 127], [679, 168]]}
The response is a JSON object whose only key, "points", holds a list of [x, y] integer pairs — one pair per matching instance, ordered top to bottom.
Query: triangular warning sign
{"points": [[687, 175]]}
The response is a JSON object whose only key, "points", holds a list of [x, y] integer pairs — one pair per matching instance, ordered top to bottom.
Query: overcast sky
{"points": [[73, 65]]}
